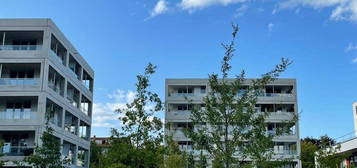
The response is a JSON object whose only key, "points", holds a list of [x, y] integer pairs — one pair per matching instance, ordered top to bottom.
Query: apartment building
{"points": [[41, 72], [279, 99]]}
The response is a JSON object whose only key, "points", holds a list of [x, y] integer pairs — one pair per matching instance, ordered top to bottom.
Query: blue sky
{"points": [[182, 37]]}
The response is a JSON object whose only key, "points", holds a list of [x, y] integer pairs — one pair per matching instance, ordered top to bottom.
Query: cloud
{"points": [[192, 5], [161, 7], [342, 9], [241, 11], [345, 11], [270, 27], [351, 47], [354, 60], [104, 113]]}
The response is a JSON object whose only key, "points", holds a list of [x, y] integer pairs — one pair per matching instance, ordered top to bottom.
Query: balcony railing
{"points": [[20, 47], [53, 54], [19, 81], [55, 88], [181, 94], [276, 95], [72, 101], [17, 115], [17, 150], [286, 152]]}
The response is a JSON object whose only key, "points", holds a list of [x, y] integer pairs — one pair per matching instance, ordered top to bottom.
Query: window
{"points": [[203, 89]]}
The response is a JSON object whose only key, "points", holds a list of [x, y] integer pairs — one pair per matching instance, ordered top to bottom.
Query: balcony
{"points": [[21, 40], [58, 51], [74, 67], [20, 75], [56, 81], [87, 81], [278, 93], [73, 95], [86, 106], [18, 108], [54, 112], [18, 115], [71, 123], [84, 130], [17, 143], [285, 148], [17, 150], [69, 152], [83, 157]]}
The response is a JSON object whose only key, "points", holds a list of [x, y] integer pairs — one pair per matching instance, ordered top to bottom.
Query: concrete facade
{"points": [[41, 72], [279, 98]]}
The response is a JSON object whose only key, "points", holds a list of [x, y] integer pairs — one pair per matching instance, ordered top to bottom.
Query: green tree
{"points": [[229, 124], [138, 143], [1, 145], [47, 155], [95, 155], [307, 155], [328, 156], [174, 158]]}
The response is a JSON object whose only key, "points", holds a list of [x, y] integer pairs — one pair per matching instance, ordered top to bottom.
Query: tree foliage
{"points": [[228, 129], [138, 143], [1, 145], [322, 152], [48, 154], [307, 156]]}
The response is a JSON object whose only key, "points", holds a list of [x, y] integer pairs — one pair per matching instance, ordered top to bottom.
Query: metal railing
{"points": [[20, 47], [19, 81], [17, 115]]}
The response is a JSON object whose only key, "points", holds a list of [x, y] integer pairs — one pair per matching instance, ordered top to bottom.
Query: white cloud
{"points": [[311, 3], [192, 5], [160, 8], [342, 9], [241, 11], [345, 11], [270, 27], [351, 47], [354, 60], [104, 113]]}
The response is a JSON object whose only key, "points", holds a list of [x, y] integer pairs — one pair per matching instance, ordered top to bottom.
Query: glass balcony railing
{"points": [[20, 47], [54, 55], [19, 81], [181, 94], [276, 95], [17, 115], [17, 150]]}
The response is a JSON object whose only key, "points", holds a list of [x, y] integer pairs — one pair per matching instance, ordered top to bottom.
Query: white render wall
{"points": [[42, 91]]}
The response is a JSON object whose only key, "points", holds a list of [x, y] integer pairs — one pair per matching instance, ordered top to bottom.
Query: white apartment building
{"points": [[41, 72], [279, 98]]}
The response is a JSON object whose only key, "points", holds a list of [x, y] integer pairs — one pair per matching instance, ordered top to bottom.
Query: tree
{"points": [[229, 124], [138, 143], [1, 145], [324, 149], [47, 155], [95, 155], [307, 156], [329, 156], [174, 158]]}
